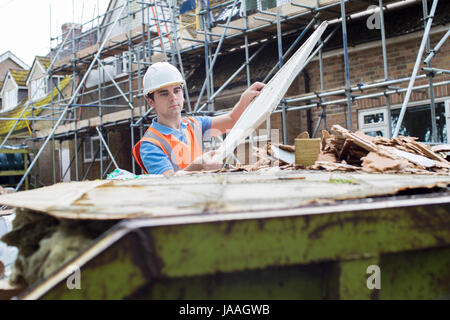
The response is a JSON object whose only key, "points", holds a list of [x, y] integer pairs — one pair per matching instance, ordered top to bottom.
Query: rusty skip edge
{"points": [[126, 227]]}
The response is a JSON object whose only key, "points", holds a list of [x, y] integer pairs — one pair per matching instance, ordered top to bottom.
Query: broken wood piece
{"points": [[303, 135], [360, 140], [286, 147], [345, 148], [441, 148], [428, 152], [283, 155], [327, 157], [417, 159], [375, 162], [333, 166]]}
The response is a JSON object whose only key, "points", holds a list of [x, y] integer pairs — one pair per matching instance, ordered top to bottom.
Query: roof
{"points": [[9, 55], [44, 61], [20, 76]]}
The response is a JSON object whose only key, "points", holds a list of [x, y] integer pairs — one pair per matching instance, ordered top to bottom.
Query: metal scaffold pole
{"points": [[175, 48], [247, 63], [385, 65], [346, 66], [210, 68], [415, 69], [430, 77], [130, 86], [72, 99]]}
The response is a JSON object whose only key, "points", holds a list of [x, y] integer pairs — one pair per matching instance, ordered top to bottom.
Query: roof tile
{"points": [[44, 61], [20, 76]]}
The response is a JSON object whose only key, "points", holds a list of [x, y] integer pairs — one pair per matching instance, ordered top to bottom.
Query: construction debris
{"points": [[443, 150], [307, 151], [347, 151], [50, 230], [45, 243]]}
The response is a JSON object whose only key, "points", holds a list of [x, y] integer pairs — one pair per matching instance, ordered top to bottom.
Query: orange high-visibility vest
{"points": [[180, 154]]}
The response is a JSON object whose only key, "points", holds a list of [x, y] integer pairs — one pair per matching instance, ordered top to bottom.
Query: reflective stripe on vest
{"points": [[179, 153]]}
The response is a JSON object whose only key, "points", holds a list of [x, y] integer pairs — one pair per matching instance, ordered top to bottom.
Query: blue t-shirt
{"points": [[154, 158]]}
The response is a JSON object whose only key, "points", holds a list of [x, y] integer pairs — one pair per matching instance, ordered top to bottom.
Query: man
{"points": [[174, 143]]}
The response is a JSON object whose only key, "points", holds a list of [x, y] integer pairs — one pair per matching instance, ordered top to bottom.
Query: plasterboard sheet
{"points": [[209, 193]]}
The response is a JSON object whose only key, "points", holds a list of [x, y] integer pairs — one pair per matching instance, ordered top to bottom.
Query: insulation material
{"points": [[307, 151], [46, 243]]}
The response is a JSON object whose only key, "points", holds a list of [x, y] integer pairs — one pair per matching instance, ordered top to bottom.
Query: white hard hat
{"points": [[160, 75]]}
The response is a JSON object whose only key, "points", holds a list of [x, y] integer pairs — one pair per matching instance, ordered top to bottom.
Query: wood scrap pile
{"points": [[343, 150], [266, 158]]}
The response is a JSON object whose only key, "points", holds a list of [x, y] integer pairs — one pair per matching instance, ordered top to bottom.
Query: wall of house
{"points": [[5, 66], [366, 66], [38, 73], [9, 85], [119, 142], [45, 164]]}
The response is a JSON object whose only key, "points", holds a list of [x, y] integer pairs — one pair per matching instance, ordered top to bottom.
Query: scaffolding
{"points": [[160, 37]]}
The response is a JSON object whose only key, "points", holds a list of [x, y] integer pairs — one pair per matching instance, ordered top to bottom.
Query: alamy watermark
{"points": [[373, 21], [74, 279], [374, 280]]}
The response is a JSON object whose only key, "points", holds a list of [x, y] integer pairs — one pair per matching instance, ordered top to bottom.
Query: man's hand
{"points": [[251, 93], [209, 161]]}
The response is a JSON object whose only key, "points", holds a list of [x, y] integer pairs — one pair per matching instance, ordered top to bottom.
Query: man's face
{"points": [[168, 101]]}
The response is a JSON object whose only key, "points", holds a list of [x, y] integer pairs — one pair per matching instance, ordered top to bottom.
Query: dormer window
{"points": [[38, 89]]}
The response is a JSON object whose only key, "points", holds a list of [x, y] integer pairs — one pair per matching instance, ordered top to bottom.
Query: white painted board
{"points": [[263, 105]]}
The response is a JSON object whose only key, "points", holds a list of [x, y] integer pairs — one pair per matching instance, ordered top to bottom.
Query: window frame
{"points": [[35, 85], [8, 96], [380, 126], [384, 126], [89, 141]]}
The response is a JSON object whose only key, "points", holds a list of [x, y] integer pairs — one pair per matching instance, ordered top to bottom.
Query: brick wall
{"points": [[366, 66]]}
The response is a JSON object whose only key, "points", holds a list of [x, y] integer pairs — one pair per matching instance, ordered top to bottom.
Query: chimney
{"points": [[66, 27]]}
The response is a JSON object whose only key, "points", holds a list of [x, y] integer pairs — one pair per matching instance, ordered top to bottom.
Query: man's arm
{"points": [[220, 124], [155, 160]]}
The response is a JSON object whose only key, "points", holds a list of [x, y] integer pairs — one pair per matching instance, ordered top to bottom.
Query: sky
{"points": [[25, 24]]}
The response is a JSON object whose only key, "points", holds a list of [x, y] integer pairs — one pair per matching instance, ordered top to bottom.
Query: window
{"points": [[122, 63], [38, 89], [10, 99], [373, 122], [416, 123], [91, 148]]}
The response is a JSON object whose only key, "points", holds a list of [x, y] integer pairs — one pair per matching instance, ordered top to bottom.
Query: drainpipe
{"points": [[307, 79]]}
